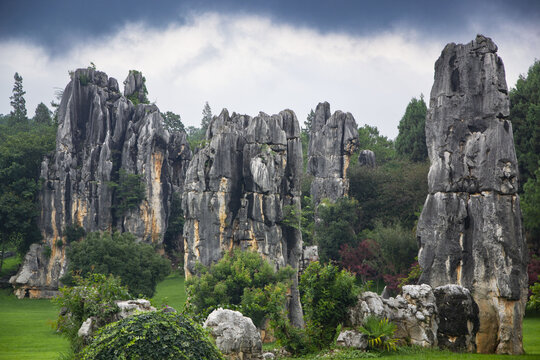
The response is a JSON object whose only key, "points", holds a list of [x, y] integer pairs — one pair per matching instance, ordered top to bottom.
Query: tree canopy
{"points": [[411, 140]]}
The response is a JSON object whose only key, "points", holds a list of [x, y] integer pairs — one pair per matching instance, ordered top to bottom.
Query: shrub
{"points": [[129, 192], [74, 232], [362, 260], [137, 264], [241, 280], [327, 294], [91, 296], [534, 299], [380, 333], [153, 335]]}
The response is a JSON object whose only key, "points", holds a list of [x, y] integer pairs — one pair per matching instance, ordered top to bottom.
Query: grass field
{"points": [[26, 332]]}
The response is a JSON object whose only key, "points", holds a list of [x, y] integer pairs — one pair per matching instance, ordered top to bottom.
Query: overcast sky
{"points": [[368, 58]]}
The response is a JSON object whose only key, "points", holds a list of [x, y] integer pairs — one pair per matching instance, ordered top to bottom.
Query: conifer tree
{"points": [[18, 114]]}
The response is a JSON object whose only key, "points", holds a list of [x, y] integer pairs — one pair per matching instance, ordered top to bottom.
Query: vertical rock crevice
{"points": [[470, 230]]}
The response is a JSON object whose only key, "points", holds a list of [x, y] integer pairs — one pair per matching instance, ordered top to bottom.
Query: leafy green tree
{"points": [[18, 114], [43, 115], [207, 117], [525, 117], [173, 121], [196, 137], [370, 139], [411, 140], [339, 224], [137, 264], [241, 280], [327, 294], [152, 335]]}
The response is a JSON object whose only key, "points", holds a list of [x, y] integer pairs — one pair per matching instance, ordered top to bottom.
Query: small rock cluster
{"points": [[446, 317]]}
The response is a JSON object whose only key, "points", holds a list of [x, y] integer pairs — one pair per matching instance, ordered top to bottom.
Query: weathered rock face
{"points": [[99, 133], [333, 140], [367, 158], [236, 190], [470, 230], [414, 313], [458, 318], [236, 335]]}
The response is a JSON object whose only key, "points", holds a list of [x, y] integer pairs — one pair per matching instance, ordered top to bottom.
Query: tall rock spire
{"points": [[470, 230]]}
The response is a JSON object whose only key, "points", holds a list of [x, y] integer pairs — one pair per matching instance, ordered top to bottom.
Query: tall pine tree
{"points": [[18, 114], [207, 117], [411, 140]]}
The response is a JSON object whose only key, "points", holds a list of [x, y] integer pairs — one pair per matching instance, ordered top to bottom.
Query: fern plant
{"points": [[379, 332]]}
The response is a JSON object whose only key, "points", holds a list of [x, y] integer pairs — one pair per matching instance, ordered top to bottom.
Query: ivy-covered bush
{"points": [[137, 264], [241, 280], [90, 296], [152, 335]]}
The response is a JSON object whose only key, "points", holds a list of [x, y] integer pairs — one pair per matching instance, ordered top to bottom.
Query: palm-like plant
{"points": [[379, 332]]}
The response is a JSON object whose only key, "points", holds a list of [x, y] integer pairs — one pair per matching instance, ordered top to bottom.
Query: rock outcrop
{"points": [[101, 134], [332, 141], [367, 158], [238, 188], [470, 230], [414, 313], [458, 318], [235, 334]]}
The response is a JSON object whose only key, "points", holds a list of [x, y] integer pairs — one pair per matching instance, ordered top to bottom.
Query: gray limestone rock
{"points": [[99, 133], [333, 140], [367, 158], [237, 188], [470, 230], [414, 313], [458, 318], [236, 336], [352, 339]]}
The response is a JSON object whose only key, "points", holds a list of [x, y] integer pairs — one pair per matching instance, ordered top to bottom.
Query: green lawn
{"points": [[26, 333]]}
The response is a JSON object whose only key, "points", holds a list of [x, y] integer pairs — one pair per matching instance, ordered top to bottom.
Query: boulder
{"points": [[101, 132], [367, 158], [238, 188], [470, 231], [309, 254], [130, 307], [414, 313], [458, 318], [236, 336], [352, 339]]}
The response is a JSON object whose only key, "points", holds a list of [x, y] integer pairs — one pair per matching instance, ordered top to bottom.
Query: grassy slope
{"points": [[25, 331]]}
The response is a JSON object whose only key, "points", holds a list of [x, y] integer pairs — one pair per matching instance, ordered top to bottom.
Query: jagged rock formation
{"points": [[100, 132], [332, 141], [367, 158], [238, 188], [470, 230]]}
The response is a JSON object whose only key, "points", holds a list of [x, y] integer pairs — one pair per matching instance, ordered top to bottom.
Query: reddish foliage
{"points": [[362, 260], [533, 269]]}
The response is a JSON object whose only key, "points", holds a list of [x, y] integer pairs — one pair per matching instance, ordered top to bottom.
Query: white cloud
{"points": [[250, 64]]}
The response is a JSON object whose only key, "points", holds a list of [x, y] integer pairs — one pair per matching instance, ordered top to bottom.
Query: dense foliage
{"points": [[525, 117], [173, 122], [370, 139], [411, 140], [23, 143], [129, 191], [137, 264], [241, 280], [90, 296], [152, 335]]}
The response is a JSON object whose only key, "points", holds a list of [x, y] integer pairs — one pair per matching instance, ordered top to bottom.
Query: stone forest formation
{"points": [[237, 187]]}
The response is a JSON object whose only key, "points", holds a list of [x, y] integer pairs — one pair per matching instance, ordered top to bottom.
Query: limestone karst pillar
{"points": [[470, 230]]}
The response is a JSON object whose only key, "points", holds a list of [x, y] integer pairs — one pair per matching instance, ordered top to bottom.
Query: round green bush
{"points": [[152, 335]]}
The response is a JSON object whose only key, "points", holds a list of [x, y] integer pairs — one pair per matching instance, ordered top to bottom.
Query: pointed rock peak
{"points": [[483, 44], [86, 76], [135, 87], [322, 114]]}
